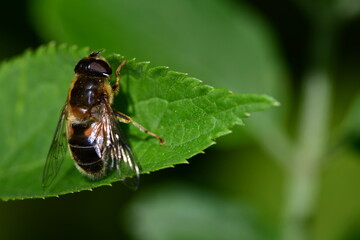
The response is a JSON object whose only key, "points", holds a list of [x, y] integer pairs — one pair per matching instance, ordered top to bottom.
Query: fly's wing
{"points": [[118, 150], [57, 151]]}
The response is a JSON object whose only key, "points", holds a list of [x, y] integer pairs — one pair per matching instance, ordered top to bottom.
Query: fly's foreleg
{"points": [[116, 86], [126, 119]]}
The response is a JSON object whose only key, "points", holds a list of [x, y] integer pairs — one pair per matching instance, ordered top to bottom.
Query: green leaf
{"points": [[187, 114]]}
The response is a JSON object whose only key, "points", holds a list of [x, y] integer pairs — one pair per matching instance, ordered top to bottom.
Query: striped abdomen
{"points": [[86, 150]]}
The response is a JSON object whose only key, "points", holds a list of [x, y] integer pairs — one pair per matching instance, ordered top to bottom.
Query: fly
{"points": [[88, 126]]}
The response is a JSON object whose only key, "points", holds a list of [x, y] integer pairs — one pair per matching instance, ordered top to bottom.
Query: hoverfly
{"points": [[88, 125]]}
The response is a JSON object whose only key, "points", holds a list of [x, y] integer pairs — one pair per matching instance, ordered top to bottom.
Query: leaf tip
{"points": [[273, 101], [277, 103]]}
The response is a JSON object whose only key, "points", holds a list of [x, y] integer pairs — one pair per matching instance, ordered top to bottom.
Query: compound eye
{"points": [[99, 66], [96, 67]]}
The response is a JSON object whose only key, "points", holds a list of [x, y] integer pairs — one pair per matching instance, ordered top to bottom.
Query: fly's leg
{"points": [[116, 86], [126, 119]]}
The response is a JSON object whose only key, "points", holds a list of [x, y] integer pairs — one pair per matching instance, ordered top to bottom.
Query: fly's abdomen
{"points": [[86, 151]]}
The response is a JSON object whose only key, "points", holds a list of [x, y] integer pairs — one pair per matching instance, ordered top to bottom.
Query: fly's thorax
{"points": [[86, 93]]}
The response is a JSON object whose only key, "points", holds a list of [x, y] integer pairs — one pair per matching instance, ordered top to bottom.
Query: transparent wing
{"points": [[118, 150], [57, 151]]}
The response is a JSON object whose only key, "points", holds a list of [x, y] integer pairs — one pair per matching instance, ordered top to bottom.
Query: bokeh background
{"points": [[291, 173]]}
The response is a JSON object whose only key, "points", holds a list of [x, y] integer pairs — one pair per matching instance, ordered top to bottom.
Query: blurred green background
{"points": [[292, 173]]}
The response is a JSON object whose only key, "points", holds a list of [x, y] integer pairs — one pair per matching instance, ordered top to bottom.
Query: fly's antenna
{"points": [[96, 53]]}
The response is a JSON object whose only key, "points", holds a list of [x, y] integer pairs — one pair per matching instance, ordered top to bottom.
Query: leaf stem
{"points": [[302, 180]]}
